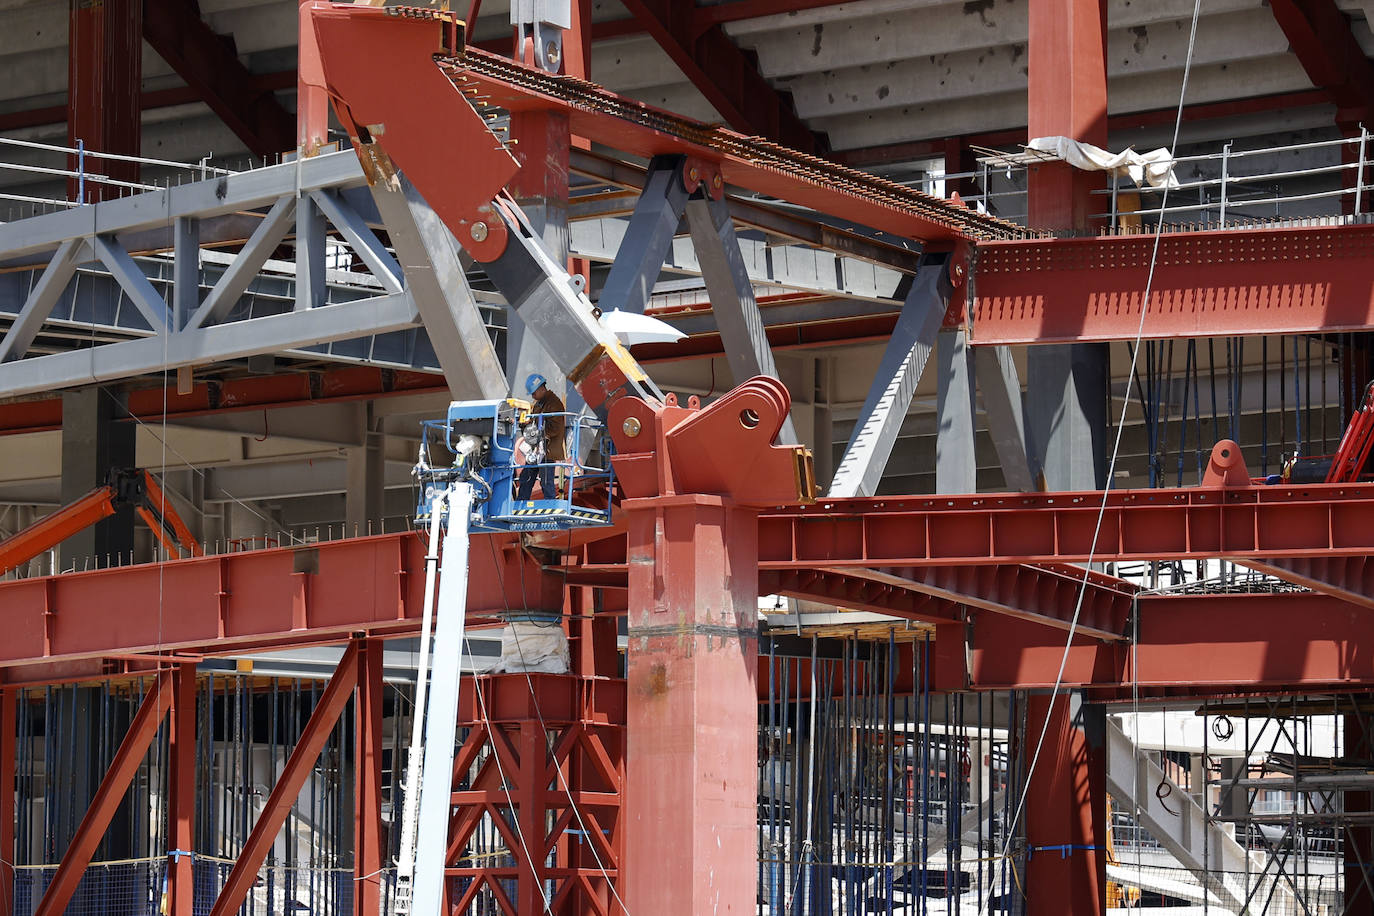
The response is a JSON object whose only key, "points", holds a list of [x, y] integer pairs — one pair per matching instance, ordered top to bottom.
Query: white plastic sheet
{"points": [[1155, 168], [533, 647]]}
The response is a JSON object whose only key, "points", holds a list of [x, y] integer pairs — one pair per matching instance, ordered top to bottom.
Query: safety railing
{"points": [[89, 168], [1231, 187], [1237, 195]]}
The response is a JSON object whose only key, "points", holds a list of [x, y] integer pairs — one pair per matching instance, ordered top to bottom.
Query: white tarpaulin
{"points": [[1155, 168], [537, 647]]}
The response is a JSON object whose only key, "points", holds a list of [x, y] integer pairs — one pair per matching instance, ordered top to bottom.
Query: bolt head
{"points": [[694, 174], [478, 231], [631, 427]]}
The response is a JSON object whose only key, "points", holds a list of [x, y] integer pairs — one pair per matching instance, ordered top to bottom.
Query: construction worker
{"points": [[543, 438]]}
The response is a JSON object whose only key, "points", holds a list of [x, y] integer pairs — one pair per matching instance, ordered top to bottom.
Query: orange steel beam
{"points": [[1291, 280], [150, 504], [158, 513], [48, 532], [225, 603], [298, 767], [115, 783]]}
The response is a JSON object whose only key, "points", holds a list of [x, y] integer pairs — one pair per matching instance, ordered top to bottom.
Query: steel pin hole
{"points": [[748, 418]]}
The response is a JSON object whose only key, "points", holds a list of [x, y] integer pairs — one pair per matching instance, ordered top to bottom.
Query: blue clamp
{"points": [[1064, 850], [176, 854]]}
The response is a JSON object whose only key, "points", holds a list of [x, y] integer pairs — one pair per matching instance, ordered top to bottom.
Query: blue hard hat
{"points": [[534, 383]]}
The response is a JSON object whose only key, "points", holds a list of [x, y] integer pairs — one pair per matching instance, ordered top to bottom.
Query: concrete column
{"points": [[1067, 415], [94, 440], [366, 479], [247, 524], [693, 707], [1197, 778]]}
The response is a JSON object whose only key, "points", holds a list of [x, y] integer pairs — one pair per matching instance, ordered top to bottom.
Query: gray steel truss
{"points": [[638, 254], [433, 265], [781, 266], [137, 285], [742, 333], [964, 371], [894, 385]]}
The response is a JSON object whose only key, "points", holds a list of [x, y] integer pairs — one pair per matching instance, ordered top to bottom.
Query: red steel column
{"points": [[104, 94], [1067, 97], [312, 102], [693, 707], [9, 708], [532, 782], [181, 792], [367, 792], [1066, 802], [1066, 809], [1359, 838]]}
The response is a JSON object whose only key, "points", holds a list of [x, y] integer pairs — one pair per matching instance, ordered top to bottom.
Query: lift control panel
{"points": [[531, 471]]}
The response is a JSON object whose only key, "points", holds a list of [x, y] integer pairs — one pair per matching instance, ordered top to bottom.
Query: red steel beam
{"points": [[1321, 37], [351, 38], [209, 63], [728, 77], [881, 205], [1292, 280], [288, 389], [1245, 522], [1348, 578], [847, 589], [317, 592], [936, 594], [1044, 595], [1212, 644], [293, 775], [113, 785]]}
